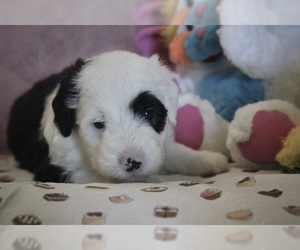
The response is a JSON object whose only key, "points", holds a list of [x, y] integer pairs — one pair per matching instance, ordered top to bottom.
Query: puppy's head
{"points": [[119, 105]]}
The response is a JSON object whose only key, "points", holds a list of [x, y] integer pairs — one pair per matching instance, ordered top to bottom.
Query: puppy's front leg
{"points": [[183, 160]]}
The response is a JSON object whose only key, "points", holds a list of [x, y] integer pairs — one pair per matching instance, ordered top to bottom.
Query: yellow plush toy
{"points": [[289, 155]]}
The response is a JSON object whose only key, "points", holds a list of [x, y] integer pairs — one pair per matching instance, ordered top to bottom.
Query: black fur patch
{"points": [[146, 106], [65, 116], [23, 132], [23, 135]]}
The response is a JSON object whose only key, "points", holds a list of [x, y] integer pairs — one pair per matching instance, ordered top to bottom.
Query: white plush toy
{"points": [[271, 53]]}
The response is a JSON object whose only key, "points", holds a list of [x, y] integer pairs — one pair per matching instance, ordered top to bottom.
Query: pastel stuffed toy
{"points": [[149, 39], [199, 56], [243, 74], [215, 78], [257, 133], [266, 133], [273, 138]]}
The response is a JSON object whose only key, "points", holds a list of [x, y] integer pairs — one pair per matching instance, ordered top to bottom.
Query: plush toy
{"points": [[155, 12], [154, 15], [250, 76], [215, 78], [271, 126], [266, 133], [256, 135], [289, 154]]}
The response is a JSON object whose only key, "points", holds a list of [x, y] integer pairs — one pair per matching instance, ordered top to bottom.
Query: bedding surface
{"points": [[232, 198]]}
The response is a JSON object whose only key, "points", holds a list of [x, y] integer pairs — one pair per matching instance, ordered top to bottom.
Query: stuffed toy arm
{"points": [[198, 125], [257, 132]]}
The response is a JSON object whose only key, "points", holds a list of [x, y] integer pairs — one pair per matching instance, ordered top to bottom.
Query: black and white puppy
{"points": [[109, 118]]}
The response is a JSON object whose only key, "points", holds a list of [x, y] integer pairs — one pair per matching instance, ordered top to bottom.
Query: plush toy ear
{"points": [[65, 103]]}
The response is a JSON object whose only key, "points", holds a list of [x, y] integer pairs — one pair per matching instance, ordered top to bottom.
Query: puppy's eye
{"points": [[149, 114], [98, 124]]}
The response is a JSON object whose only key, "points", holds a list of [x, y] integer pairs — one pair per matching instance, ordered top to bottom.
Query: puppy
{"points": [[109, 118]]}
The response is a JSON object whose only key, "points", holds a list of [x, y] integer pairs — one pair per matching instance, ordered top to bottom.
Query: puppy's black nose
{"points": [[132, 165]]}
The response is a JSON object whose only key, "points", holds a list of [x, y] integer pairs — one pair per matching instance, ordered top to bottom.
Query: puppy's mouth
{"points": [[134, 168], [132, 176]]}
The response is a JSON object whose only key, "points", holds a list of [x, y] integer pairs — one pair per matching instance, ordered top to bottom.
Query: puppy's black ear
{"points": [[64, 104]]}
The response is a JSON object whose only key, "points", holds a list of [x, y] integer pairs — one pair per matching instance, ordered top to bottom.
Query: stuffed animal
{"points": [[200, 55], [200, 60], [262, 60], [271, 127], [257, 133], [266, 133]]}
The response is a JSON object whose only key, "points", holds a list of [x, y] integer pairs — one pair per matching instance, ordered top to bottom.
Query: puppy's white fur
{"points": [[107, 85]]}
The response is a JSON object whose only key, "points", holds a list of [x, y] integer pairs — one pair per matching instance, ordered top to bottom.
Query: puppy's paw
{"points": [[183, 160], [208, 163], [213, 163]]}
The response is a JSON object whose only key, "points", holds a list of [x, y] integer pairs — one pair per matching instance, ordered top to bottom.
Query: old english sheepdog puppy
{"points": [[109, 118]]}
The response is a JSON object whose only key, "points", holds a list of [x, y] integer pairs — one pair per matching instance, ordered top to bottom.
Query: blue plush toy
{"points": [[203, 46], [227, 87]]}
